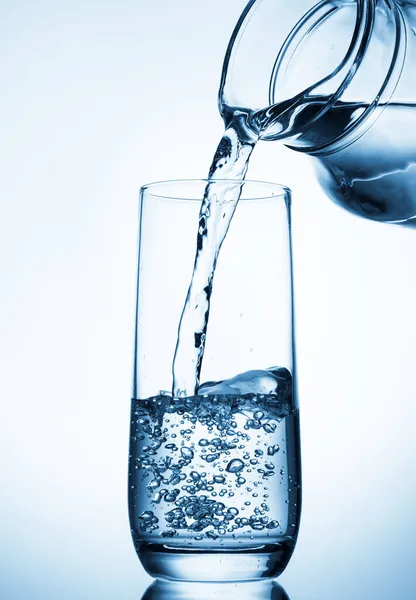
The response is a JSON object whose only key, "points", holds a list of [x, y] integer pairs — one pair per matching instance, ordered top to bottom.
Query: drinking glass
{"points": [[214, 478]]}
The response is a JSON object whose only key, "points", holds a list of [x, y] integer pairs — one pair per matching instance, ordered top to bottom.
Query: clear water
{"points": [[243, 130], [374, 177], [217, 209], [217, 470]]}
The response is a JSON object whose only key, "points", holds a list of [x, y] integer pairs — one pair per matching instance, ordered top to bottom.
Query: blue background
{"points": [[97, 99]]}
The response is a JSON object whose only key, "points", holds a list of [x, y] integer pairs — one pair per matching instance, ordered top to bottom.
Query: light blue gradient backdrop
{"points": [[97, 99]]}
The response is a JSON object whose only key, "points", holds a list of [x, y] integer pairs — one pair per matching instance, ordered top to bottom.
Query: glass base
{"points": [[248, 564]]}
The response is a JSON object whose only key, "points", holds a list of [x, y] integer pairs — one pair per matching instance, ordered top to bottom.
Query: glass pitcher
{"points": [[335, 79]]}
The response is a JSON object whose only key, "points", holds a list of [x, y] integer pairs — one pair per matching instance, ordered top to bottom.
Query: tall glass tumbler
{"points": [[214, 478]]}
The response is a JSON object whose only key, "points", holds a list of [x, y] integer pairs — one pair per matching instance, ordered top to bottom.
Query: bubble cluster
{"points": [[201, 467]]}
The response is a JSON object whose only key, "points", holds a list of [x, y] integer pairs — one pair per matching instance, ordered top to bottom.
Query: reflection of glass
{"points": [[215, 478], [172, 590]]}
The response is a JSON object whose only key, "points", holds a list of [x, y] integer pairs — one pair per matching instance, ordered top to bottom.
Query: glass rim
{"points": [[284, 192]]}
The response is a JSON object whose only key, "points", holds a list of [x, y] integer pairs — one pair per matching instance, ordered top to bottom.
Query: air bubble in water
{"points": [[271, 450], [187, 453], [235, 466], [219, 479], [197, 508]]}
